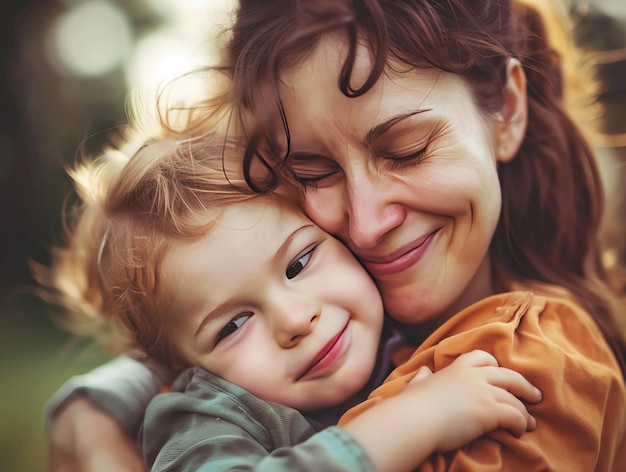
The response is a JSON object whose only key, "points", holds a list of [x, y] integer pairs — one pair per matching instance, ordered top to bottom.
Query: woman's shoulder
{"points": [[524, 303], [506, 316], [523, 321], [548, 323]]}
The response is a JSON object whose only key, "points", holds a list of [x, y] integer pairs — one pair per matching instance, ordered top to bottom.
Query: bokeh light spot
{"points": [[90, 39]]}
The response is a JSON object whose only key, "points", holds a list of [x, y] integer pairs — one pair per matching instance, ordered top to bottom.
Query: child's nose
{"points": [[294, 321]]}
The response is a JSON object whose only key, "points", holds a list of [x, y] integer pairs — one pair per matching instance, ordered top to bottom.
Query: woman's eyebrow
{"points": [[380, 129]]}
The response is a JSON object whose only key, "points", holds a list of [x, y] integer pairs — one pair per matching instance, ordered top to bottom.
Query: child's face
{"points": [[269, 301]]}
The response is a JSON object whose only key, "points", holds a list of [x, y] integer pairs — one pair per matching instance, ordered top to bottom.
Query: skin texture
{"points": [[417, 201], [269, 301]]}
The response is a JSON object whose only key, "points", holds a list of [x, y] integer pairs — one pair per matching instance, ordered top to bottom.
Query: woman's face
{"points": [[405, 175]]}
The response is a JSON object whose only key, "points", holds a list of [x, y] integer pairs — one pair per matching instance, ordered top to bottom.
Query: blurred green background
{"points": [[67, 67]]}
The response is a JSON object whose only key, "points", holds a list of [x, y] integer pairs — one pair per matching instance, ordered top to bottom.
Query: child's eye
{"points": [[300, 263], [232, 326]]}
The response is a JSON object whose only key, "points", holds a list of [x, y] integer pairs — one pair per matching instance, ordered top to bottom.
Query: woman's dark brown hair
{"points": [[552, 192]]}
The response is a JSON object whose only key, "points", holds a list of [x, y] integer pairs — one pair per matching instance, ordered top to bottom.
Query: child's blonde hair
{"points": [[133, 206]]}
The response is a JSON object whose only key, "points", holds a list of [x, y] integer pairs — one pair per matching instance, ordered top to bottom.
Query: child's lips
{"points": [[326, 356]]}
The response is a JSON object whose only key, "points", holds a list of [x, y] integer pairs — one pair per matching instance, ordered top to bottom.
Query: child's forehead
{"points": [[270, 202], [265, 207], [254, 232]]}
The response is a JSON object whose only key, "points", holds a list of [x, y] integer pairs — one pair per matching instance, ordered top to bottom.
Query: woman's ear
{"points": [[511, 121]]}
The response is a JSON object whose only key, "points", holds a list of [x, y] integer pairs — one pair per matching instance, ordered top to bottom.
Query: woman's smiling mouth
{"points": [[401, 260]]}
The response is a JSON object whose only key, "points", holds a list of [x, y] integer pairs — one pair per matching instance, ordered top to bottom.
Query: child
{"points": [[279, 320]]}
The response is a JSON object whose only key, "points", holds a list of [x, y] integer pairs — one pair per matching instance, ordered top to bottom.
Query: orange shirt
{"points": [[556, 345]]}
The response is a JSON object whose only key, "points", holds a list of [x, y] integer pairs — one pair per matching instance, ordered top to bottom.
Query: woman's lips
{"points": [[398, 263], [331, 351]]}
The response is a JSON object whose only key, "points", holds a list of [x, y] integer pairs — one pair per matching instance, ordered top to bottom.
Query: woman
{"points": [[433, 140]]}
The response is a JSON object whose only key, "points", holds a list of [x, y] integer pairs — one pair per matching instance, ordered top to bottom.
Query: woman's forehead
{"points": [[325, 63], [317, 77], [314, 104]]}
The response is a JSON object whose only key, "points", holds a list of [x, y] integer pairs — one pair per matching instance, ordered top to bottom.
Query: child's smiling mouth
{"points": [[326, 356]]}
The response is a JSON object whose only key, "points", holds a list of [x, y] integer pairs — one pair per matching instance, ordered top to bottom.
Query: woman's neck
{"points": [[482, 285]]}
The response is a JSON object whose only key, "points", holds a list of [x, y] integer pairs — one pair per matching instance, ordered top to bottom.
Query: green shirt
{"points": [[209, 424]]}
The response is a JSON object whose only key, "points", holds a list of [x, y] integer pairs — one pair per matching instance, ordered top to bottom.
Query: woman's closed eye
{"points": [[404, 148], [398, 160], [311, 170], [298, 265], [232, 326]]}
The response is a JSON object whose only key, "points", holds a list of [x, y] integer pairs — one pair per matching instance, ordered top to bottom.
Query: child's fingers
{"points": [[476, 358], [422, 373], [501, 377], [513, 382], [511, 389], [513, 415]]}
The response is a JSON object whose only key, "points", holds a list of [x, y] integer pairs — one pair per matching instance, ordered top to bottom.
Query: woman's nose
{"points": [[372, 210]]}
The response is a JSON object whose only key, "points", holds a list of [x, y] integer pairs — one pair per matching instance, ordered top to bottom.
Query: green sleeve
{"points": [[122, 387], [209, 424]]}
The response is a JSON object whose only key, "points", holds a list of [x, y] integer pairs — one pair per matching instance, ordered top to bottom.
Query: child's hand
{"points": [[471, 397], [444, 411]]}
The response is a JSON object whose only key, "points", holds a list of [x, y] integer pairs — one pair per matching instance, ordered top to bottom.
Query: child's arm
{"points": [[444, 411], [214, 425]]}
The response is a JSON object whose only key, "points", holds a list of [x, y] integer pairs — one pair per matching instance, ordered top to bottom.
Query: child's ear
{"points": [[511, 121]]}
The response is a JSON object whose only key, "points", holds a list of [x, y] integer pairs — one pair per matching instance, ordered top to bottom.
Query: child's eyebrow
{"points": [[380, 129], [287, 242], [215, 313]]}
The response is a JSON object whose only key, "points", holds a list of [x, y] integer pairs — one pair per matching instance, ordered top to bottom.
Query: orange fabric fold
{"points": [[556, 345]]}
